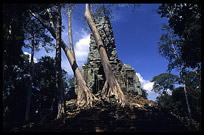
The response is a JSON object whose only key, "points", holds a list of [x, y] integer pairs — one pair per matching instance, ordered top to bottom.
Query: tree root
{"points": [[115, 91], [85, 98]]}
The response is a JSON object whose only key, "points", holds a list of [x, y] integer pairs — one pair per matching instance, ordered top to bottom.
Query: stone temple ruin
{"points": [[93, 72]]}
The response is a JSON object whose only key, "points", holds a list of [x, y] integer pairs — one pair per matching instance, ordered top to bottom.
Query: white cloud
{"points": [[82, 49], [34, 59], [147, 85]]}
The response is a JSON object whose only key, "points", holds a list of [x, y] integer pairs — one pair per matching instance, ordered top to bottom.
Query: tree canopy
{"points": [[185, 20], [181, 45], [164, 82], [176, 102]]}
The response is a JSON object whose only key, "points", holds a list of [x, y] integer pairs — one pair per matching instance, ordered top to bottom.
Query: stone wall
{"points": [[93, 71]]}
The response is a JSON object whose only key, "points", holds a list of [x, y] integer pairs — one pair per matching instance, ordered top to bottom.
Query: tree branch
{"points": [[87, 7], [50, 18], [52, 31], [70, 31], [175, 52]]}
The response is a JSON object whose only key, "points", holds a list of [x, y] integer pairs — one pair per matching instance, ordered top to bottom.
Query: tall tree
{"points": [[69, 12], [185, 20], [35, 33], [170, 48], [164, 82], [14, 84], [111, 86], [44, 94], [60, 96], [84, 97], [44, 103], [177, 104], [27, 113]]}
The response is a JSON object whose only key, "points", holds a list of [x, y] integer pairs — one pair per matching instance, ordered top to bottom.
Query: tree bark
{"points": [[50, 18], [70, 31], [70, 36], [184, 83], [111, 86], [186, 95], [85, 97], [60, 98], [187, 102], [28, 103]]}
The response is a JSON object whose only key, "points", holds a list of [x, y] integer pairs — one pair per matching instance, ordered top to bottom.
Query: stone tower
{"points": [[93, 72]]}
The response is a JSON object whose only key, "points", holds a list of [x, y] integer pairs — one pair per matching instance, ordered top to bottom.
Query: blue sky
{"points": [[136, 36]]}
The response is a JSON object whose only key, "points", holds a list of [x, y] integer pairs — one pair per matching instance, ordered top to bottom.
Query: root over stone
{"points": [[114, 90], [85, 97]]}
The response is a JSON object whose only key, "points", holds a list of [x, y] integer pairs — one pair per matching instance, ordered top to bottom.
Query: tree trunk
{"points": [[50, 18], [70, 32], [70, 36], [184, 83], [111, 86], [186, 94], [85, 97], [60, 98], [187, 101], [28, 103]]}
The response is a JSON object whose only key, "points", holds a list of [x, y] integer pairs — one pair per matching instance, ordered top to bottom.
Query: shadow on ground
{"points": [[144, 116]]}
